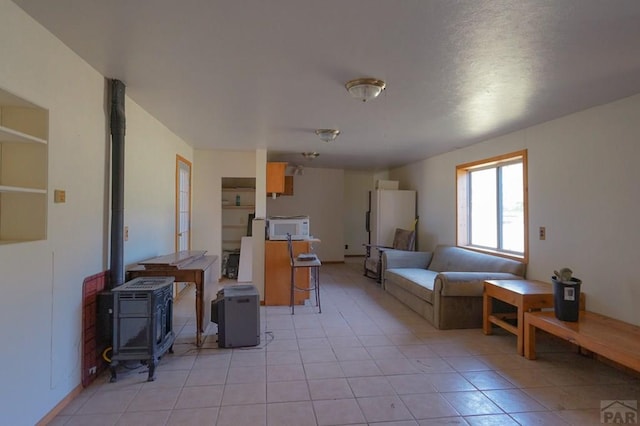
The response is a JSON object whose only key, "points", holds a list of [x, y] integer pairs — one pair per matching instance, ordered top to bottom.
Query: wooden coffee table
{"points": [[525, 295]]}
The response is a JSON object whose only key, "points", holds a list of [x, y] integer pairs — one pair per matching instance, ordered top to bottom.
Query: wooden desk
{"points": [[175, 260], [185, 266], [525, 295], [613, 339]]}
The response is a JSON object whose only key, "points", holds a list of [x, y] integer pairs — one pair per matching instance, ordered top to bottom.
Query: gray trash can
{"points": [[566, 298]]}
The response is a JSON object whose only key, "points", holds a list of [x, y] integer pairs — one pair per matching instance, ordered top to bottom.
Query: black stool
{"points": [[304, 260]]}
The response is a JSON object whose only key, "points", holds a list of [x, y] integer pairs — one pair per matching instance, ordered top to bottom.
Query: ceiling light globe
{"points": [[365, 89], [327, 135], [310, 155]]}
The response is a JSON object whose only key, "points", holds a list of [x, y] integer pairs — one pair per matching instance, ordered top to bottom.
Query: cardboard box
{"points": [[387, 184]]}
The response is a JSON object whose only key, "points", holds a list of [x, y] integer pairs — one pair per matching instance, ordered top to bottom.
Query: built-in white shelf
{"points": [[24, 128], [14, 136], [22, 190], [238, 190], [234, 207], [235, 218], [231, 241]]}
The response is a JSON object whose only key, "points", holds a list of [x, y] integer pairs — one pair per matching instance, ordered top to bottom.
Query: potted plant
{"points": [[566, 295]]}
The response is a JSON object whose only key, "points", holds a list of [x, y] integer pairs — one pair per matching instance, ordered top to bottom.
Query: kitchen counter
{"points": [[277, 276]]}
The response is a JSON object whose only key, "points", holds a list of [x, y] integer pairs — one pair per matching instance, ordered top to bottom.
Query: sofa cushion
{"points": [[457, 259], [416, 281], [469, 284]]}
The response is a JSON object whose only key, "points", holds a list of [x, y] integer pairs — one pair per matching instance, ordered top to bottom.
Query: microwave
{"points": [[279, 227]]}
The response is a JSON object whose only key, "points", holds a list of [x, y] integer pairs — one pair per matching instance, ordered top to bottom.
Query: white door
{"points": [[183, 204], [183, 212]]}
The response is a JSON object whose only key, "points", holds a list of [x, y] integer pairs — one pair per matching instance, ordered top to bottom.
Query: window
{"points": [[492, 205]]}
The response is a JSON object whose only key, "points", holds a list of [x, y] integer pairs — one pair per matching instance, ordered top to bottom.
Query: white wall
{"points": [[210, 166], [150, 180], [583, 187], [318, 193], [41, 306]]}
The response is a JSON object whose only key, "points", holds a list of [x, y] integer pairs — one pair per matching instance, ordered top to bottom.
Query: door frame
{"points": [[181, 160]]}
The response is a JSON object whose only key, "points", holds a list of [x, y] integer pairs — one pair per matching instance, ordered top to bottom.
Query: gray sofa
{"points": [[445, 286]]}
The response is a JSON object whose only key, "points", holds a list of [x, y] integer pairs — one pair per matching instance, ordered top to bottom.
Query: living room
{"points": [[581, 186]]}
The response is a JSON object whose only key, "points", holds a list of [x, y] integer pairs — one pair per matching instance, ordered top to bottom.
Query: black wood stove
{"points": [[142, 322]]}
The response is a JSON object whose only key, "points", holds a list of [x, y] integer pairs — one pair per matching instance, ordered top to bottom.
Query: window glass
{"points": [[492, 205], [512, 208], [483, 224]]}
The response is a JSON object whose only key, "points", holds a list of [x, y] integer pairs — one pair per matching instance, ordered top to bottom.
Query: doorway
{"points": [[238, 211]]}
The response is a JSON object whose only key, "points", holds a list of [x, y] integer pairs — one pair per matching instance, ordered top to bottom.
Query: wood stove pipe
{"points": [[118, 124]]}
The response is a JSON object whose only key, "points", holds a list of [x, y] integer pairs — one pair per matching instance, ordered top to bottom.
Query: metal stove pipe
{"points": [[118, 124]]}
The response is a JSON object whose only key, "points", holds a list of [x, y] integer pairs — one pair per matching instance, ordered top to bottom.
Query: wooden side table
{"points": [[525, 295], [611, 338]]}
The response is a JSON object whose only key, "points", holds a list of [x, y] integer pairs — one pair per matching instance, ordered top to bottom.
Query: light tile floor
{"points": [[367, 359]]}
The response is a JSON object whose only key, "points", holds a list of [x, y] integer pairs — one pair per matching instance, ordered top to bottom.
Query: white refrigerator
{"points": [[389, 209]]}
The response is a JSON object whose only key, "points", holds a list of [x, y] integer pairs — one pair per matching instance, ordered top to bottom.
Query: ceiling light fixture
{"points": [[365, 89], [328, 135], [310, 155], [298, 170]]}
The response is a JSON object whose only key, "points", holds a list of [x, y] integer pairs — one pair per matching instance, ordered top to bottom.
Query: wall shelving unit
{"points": [[24, 129], [235, 218]]}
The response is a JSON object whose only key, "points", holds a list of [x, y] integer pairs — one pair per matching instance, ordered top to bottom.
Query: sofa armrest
{"points": [[405, 259], [467, 283]]}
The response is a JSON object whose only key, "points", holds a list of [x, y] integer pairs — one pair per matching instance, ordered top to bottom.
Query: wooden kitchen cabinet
{"points": [[275, 177], [288, 185], [277, 274]]}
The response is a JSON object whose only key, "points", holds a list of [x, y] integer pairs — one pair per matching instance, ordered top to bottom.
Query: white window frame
{"points": [[463, 204]]}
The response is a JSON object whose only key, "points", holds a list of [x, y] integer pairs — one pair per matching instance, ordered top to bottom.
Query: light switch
{"points": [[59, 196]]}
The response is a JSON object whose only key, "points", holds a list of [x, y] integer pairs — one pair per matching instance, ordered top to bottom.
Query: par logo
{"points": [[619, 411]]}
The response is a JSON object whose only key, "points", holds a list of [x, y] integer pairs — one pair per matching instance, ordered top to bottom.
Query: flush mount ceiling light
{"points": [[365, 89], [328, 135], [310, 155]]}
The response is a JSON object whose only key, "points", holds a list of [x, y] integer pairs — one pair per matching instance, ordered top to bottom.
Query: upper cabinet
{"points": [[24, 129], [275, 177], [288, 185]]}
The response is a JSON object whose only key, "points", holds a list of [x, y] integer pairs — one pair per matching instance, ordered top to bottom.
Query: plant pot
{"points": [[566, 298]]}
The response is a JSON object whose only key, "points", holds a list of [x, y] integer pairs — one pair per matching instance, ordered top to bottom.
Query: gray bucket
{"points": [[566, 298]]}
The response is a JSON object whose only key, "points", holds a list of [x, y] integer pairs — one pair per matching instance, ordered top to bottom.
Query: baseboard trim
{"points": [[59, 407]]}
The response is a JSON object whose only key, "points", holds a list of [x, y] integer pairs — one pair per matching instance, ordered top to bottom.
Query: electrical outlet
{"points": [[59, 196], [126, 233], [543, 233], [92, 370]]}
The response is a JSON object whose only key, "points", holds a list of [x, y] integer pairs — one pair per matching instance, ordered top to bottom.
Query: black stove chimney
{"points": [[118, 124]]}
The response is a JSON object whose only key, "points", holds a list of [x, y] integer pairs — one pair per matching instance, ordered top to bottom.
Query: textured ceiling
{"points": [[249, 74]]}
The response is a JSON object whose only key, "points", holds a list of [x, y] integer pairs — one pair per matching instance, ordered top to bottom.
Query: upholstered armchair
{"points": [[403, 239]]}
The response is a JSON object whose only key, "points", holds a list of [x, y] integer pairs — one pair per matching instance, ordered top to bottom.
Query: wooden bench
{"points": [[613, 339]]}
